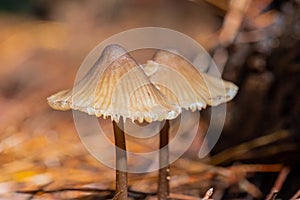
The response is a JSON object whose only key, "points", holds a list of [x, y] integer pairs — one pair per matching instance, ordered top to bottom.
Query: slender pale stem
{"points": [[121, 161], [164, 169]]}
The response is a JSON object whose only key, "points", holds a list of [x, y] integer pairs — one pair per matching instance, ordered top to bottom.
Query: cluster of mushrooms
{"points": [[166, 85]]}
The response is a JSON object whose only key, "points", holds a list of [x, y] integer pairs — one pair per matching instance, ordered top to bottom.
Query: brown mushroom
{"points": [[117, 87], [192, 89]]}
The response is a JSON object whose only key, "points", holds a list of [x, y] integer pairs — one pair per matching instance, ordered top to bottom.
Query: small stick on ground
{"points": [[240, 149], [278, 183], [105, 192], [208, 194], [296, 196], [183, 197]]}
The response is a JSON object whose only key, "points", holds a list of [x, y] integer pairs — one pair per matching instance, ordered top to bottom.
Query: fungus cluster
{"points": [[157, 91]]}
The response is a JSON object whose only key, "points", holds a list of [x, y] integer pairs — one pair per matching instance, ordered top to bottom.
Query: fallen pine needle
{"points": [[240, 149], [278, 183], [208, 194], [296, 196], [183, 197]]}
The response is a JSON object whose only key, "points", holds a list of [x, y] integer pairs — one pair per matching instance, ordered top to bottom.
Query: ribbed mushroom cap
{"points": [[117, 86], [194, 90]]}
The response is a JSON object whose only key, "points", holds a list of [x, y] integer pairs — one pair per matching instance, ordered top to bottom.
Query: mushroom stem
{"points": [[121, 161], [164, 168]]}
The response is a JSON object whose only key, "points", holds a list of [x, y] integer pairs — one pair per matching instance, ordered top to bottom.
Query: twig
{"points": [[219, 4], [256, 8], [264, 20], [233, 21], [245, 147], [269, 151], [250, 168], [278, 183], [250, 188], [65, 190], [131, 193], [208, 194], [272, 195], [296, 195], [116, 196], [183, 197]]}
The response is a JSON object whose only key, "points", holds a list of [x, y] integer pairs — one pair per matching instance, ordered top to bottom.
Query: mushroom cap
{"points": [[116, 86], [194, 90]]}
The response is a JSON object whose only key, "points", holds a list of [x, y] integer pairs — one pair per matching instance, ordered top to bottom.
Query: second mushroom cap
{"points": [[193, 90]]}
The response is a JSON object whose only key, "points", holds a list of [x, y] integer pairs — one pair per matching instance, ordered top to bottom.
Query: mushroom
{"points": [[192, 89], [122, 91]]}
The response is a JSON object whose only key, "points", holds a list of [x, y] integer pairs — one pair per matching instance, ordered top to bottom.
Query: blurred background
{"points": [[255, 43]]}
